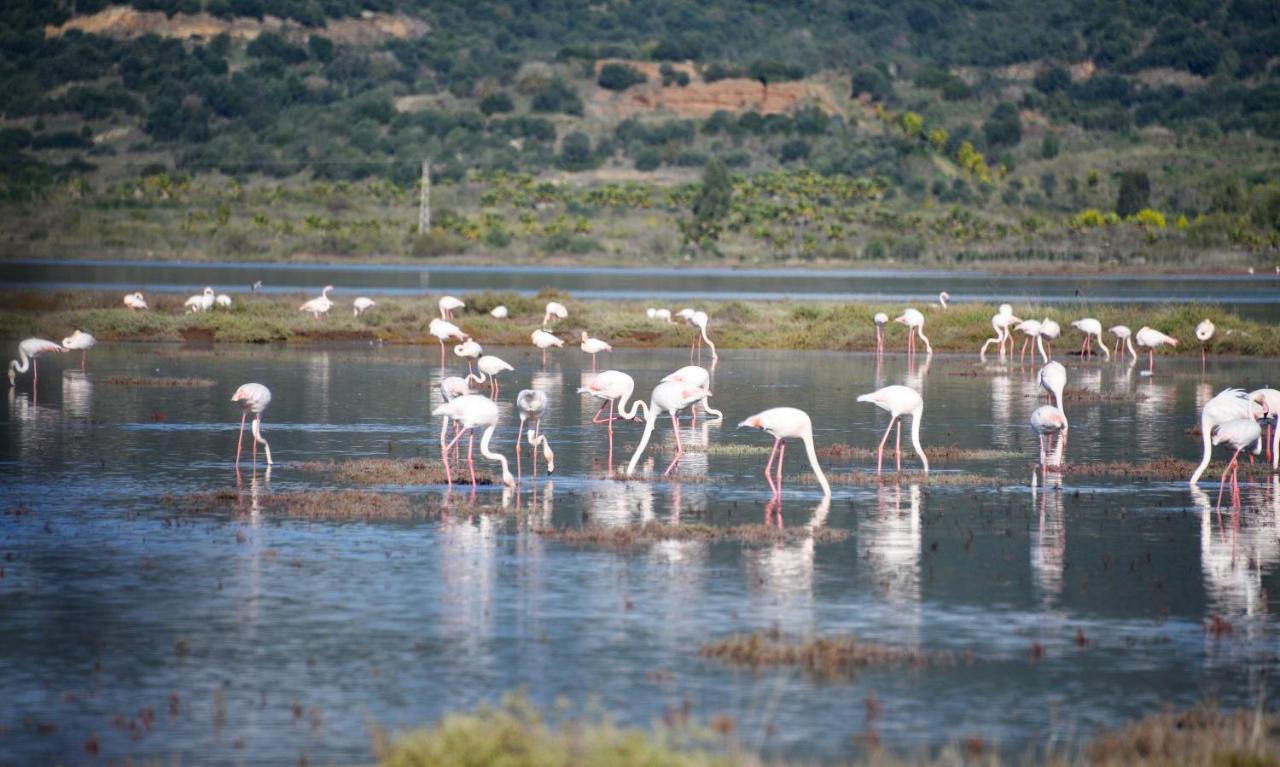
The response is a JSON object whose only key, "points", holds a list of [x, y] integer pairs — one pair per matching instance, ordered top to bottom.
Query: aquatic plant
{"points": [[834, 655]]}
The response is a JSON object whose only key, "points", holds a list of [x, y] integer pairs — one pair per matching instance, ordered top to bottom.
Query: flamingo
{"points": [[943, 298], [223, 300], [135, 301], [201, 302], [362, 305], [448, 305], [318, 306], [555, 310], [499, 312], [659, 314], [880, 319], [914, 321], [1000, 322], [1091, 327], [1031, 329], [1050, 330], [443, 331], [1204, 332], [1123, 335], [1151, 338], [544, 340], [82, 341], [593, 346], [28, 351], [470, 351], [489, 366], [695, 375], [451, 387], [615, 387], [668, 397], [253, 398], [1269, 400], [899, 401], [532, 405], [1229, 405], [473, 411], [1048, 420], [785, 423], [1239, 433]]}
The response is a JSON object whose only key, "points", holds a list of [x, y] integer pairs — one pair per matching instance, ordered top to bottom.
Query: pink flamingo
{"points": [[28, 351], [615, 387], [668, 397], [253, 398], [899, 401], [532, 405], [474, 411], [785, 423]]}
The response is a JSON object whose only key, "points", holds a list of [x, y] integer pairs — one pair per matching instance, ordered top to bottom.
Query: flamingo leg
{"points": [[1083, 344], [83, 352], [442, 355], [1023, 355], [544, 358], [1202, 358], [1151, 361], [593, 363], [35, 374], [595, 419], [675, 428], [537, 429], [610, 435], [519, 437], [240, 442], [255, 444], [782, 449], [880, 450], [897, 450], [471, 463], [448, 474], [768, 476], [1222, 483]]}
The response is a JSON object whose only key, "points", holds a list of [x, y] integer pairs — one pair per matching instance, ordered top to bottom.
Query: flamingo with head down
{"points": [[914, 321], [1091, 329], [443, 331], [1152, 338], [82, 341], [28, 351], [615, 388], [668, 397], [253, 398], [899, 401], [532, 405], [473, 411], [785, 423]]}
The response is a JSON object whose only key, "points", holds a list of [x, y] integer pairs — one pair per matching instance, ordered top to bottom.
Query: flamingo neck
{"points": [[708, 342], [1129, 342], [1040, 346], [480, 378], [636, 405], [706, 408], [916, 415], [650, 419], [1206, 435], [257, 436], [813, 462], [507, 479]]}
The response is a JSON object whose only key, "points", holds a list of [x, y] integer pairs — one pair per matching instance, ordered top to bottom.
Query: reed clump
{"points": [[936, 454], [1163, 469], [392, 471], [316, 505], [654, 532], [834, 655]]}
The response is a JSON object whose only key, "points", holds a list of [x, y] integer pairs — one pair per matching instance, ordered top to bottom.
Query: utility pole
{"points": [[424, 204]]}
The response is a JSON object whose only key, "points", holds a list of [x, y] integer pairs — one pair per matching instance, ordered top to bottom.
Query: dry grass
{"points": [[161, 382], [1162, 469], [392, 471], [890, 477], [320, 505], [653, 532], [837, 655], [1198, 736]]}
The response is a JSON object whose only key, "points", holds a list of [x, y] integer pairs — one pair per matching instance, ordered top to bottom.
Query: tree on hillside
{"points": [[618, 77], [1004, 126], [1134, 194], [712, 204]]}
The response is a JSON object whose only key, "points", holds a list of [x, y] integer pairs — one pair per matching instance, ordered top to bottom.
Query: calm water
{"points": [[1253, 295], [261, 639]]}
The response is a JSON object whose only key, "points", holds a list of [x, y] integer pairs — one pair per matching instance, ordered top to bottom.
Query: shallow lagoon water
{"points": [[152, 631]]}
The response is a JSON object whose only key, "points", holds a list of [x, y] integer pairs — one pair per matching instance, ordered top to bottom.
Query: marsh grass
{"points": [[734, 324], [161, 382], [943, 454], [1165, 469], [391, 471], [861, 478], [317, 505], [653, 532], [836, 655]]}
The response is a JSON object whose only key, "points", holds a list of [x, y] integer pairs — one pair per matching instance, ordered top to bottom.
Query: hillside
{"points": [[917, 132]]}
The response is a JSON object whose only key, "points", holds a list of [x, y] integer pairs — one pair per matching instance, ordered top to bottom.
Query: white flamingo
{"points": [[943, 299], [223, 300], [135, 301], [200, 302], [362, 305], [448, 305], [318, 306], [555, 311], [499, 312], [663, 315], [880, 319], [700, 320], [914, 321], [1000, 322], [1031, 329], [1091, 329], [1050, 330], [443, 331], [1204, 332], [1123, 336], [1151, 338], [544, 340], [82, 341], [593, 346], [28, 351], [470, 351], [489, 367], [695, 375], [615, 387], [668, 397], [253, 398], [899, 401], [1269, 401], [532, 405], [1229, 405], [472, 411], [1049, 420], [785, 423], [1240, 433]]}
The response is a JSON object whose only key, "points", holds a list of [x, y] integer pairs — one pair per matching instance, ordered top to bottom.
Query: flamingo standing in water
{"points": [[135, 302], [200, 302], [362, 305], [448, 305], [317, 306], [555, 311], [880, 319], [914, 321], [1000, 322], [1091, 328], [1031, 329], [1049, 330], [443, 331], [1204, 332], [1123, 336], [1151, 338], [544, 340], [82, 341], [593, 346], [28, 351], [470, 351], [490, 366], [698, 376], [451, 387], [615, 387], [668, 397], [253, 398], [899, 401], [1269, 401], [532, 405], [1229, 405], [472, 411], [1048, 420], [785, 423], [1239, 434]]}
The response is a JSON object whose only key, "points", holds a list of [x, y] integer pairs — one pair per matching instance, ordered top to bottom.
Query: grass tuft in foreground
{"points": [[653, 532]]}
